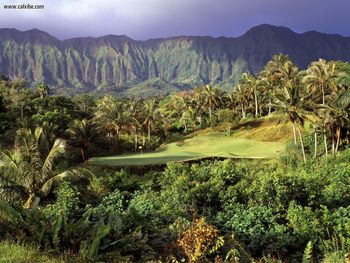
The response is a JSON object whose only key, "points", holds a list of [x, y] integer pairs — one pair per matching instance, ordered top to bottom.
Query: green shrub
{"points": [[67, 201], [111, 203]]}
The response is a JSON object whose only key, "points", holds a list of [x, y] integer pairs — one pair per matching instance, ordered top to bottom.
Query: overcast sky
{"points": [[144, 19]]}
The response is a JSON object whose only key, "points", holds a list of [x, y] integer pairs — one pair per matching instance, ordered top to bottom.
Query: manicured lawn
{"points": [[197, 147]]}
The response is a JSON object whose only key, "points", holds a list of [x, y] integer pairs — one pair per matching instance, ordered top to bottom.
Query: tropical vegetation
{"points": [[292, 206]]}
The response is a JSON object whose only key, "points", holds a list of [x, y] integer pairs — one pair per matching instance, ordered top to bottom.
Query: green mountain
{"points": [[122, 65]]}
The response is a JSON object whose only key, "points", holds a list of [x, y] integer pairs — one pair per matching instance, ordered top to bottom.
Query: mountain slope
{"points": [[120, 64]]}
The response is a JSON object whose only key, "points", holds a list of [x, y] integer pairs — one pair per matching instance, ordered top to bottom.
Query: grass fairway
{"points": [[201, 146]]}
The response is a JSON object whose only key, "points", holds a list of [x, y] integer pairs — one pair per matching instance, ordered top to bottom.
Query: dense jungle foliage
{"points": [[54, 206]]}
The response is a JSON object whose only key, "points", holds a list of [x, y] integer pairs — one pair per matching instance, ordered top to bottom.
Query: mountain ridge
{"points": [[260, 26], [118, 63]]}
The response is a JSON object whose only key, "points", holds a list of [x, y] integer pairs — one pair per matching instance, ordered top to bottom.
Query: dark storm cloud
{"points": [[143, 19]]}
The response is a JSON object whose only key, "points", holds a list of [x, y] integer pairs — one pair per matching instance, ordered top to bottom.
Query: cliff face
{"points": [[119, 64]]}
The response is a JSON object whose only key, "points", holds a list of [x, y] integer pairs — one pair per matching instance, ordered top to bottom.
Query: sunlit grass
{"points": [[261, 138], [197, 147], [15, 253]]}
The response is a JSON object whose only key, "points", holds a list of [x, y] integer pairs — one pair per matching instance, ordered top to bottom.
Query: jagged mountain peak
{"points": [[118, 63]]}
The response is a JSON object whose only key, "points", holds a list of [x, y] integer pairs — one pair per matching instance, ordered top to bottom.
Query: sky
{"points": [[145, 19]]}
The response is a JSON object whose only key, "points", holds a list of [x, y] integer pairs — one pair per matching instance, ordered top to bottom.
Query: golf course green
{"points": [[201, 146]]}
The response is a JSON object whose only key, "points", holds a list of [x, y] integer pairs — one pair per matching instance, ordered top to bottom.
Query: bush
{"points": [[292, 155], [67, 202], [111, 203], [273, 210], [259, 228]]}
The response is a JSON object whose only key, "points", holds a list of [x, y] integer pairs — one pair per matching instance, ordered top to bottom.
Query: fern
{"points": [[307, 256]]}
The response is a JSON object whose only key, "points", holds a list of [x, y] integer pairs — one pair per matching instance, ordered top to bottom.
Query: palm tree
{"points": [[274, 66], [322, 78], [249, 83], [266, 86], [43, 90], [243, 95], [20, 98], [290, 98], [210, 99], [232, 102], [85, 103], [109, 114], [151, 116], [338, 117], [188, 118], [316, 123], [132, 124], [83, 134], [27, 172]]}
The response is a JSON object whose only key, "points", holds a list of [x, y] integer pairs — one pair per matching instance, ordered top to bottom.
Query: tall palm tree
{"points": [[274, 66], [322, 78], [249, 83], [266, 86], [243, 94], [290, 98], [211, 99], [232, 102], [109, 114], [151, 116], [338, 117], [188, 118], [316, 123], [133, 124], [83, 134], [27, 172]]}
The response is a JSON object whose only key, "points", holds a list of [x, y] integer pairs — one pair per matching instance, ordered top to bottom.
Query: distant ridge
{"points": [[122, 65]]}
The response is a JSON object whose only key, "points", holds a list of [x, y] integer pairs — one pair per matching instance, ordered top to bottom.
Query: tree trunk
{"points": [[323, 96], [256, 104], [269, 107], [243, 112], [22, 113], [210, 115], [294, 133], [149, 134], [325, 140], [338, 140], [116, 142], [135, 142], [111, 143], [302, 144], [82, 153], [315, 154], [30, 200]]}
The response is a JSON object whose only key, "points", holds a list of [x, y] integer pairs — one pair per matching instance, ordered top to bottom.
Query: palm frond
{"points": [[57, 150], [8, 163], [73, 175], [12, 192], [9, 213], [307, 256]]}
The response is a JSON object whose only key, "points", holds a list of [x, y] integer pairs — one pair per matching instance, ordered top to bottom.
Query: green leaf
{"points": [[57, 228], [101, 233], [307, 256]]}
